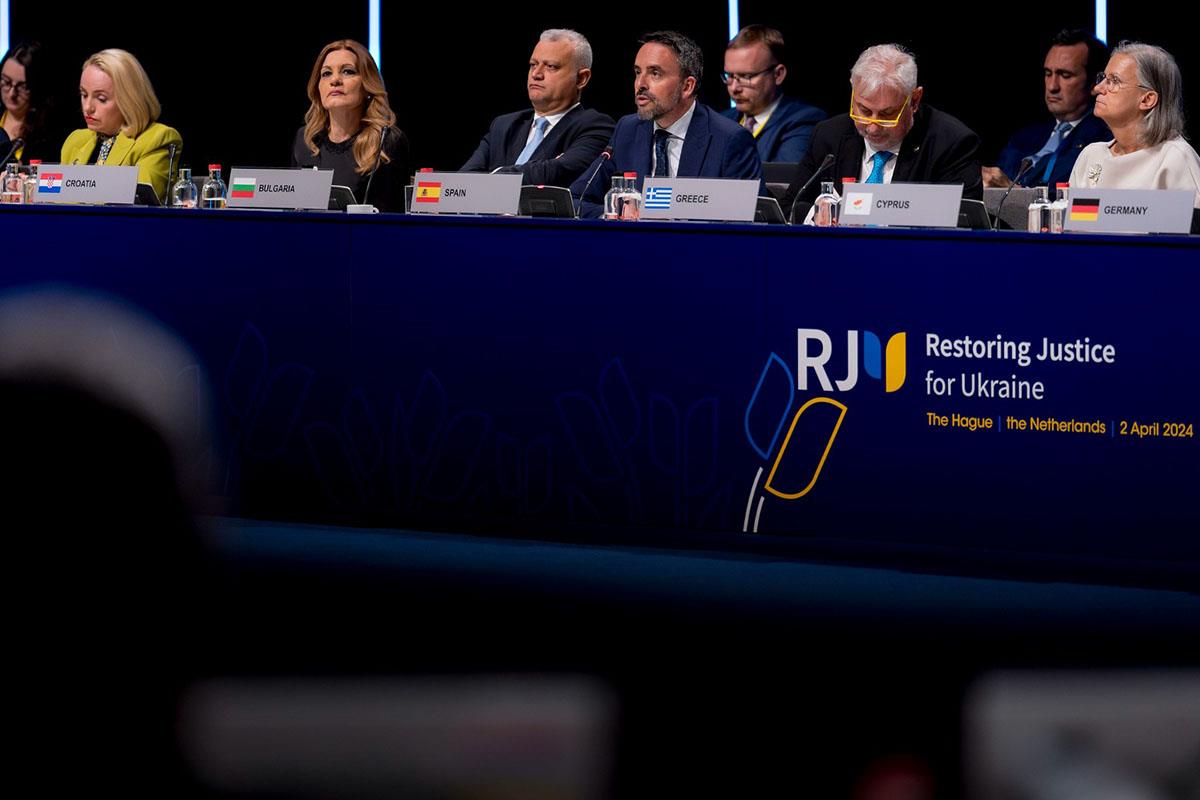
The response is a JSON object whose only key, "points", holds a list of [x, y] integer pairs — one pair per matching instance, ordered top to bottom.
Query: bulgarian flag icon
{"points": [[242, 187]]}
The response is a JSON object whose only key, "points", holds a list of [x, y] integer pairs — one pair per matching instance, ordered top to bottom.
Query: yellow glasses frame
{"points": [[883, 123]]}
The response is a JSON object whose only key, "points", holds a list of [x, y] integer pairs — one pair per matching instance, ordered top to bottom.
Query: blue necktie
{"points": [[539, 133], [1051, 146], [662, 162], [877, 163]]}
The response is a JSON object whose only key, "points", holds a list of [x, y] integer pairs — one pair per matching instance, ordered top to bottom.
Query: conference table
{"points": [[988, 397]]}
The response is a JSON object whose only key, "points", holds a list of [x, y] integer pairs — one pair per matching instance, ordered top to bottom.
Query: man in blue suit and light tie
{"points": [[1074, 58], [755, 67], [671, 135]]}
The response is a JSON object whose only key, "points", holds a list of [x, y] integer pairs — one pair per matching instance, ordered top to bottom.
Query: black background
{"points": [[232, 79]]}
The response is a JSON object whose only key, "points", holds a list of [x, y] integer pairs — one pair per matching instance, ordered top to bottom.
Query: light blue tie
{"points": [[539, 133], [1051, 146], [877, 163]]}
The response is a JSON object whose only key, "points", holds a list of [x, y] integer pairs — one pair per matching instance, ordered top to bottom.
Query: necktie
{"points": [[750, 123], [539, 133], [1051, 147], [662, 162], [877, 163]]}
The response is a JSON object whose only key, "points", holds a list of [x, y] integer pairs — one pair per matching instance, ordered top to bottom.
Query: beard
{"points": [[657, 108]]}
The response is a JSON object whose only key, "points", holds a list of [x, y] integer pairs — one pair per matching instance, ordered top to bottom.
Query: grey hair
{"points": [[583, 50], [885, 65], [1156, 69]]}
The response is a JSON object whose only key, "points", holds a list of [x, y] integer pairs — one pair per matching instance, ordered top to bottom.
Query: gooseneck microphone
{"points": [[15, 146], [605, 155], [378, 162], [826, 163], [1026, 164], [166, 201]]}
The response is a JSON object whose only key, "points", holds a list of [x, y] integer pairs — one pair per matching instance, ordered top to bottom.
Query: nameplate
{"points": [[86, 183], [251, 187], [466, 193], [718, 199], [908, 205], [1129, 210]]}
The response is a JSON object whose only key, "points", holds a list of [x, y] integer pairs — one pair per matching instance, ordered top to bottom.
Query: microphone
{"points": [[16, 145], [605, 155], [378, 162], [826, 163], [1026, 165], [170, 168]]}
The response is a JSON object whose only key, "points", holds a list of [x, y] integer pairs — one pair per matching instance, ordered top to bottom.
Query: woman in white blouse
{"points": [[1140, 96]]}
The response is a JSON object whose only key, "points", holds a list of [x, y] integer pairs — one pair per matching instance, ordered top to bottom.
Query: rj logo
{"points": [[814, 349]]}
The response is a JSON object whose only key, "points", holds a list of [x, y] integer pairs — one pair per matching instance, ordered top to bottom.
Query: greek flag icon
{"points": [[658, 197]]}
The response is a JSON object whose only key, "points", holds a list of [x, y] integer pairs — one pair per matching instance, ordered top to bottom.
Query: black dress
{"points": [[387, 188]]}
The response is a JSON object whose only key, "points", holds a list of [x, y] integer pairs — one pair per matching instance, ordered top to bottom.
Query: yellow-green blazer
{"points": [[148, 152]]}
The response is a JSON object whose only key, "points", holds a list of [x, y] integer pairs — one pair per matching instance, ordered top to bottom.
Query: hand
{"points": [[994, 178]]}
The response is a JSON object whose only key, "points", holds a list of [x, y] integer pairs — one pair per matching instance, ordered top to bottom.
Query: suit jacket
{"points": [[788, 131], [1028, 141], [714, 147], [938, 149], [567, 150], [148, 152]]}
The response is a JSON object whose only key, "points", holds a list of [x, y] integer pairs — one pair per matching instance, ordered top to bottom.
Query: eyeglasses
{"points": [[744, 77], [1113, 83], [18, 88], [883, 123]]}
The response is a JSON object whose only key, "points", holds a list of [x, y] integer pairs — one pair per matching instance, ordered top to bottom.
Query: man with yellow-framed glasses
{"points": [[889, 134]]}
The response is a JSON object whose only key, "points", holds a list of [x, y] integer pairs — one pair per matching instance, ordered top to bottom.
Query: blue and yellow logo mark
{"points": [[802, 455]]}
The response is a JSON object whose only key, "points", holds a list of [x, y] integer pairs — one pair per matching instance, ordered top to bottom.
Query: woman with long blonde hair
{"points": [[350, 128]]}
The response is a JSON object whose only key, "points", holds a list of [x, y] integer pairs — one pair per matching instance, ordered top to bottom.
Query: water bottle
{"points": [[31, 180], [14, 185], [183, 193], [212, 193], [612, 198], [631, 200], [827, 206], [1058, 209], [1039, 212]]}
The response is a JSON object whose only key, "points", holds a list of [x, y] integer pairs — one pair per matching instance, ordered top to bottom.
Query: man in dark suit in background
{"points": [[755, 67], [1070, 68], [671, 135], [890, 135], [558, 138]]}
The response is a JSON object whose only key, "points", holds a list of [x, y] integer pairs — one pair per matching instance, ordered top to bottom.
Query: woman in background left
{"points": [[27, 106], [121, 112]]}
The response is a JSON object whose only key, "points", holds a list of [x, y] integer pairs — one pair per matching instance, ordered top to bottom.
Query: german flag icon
{"points": [[1084, 209]]}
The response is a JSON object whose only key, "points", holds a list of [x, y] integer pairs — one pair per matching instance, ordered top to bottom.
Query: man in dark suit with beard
{"points": [[672, 134], [890, 135], [553, 142]]}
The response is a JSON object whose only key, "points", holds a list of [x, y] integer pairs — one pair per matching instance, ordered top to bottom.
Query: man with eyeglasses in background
{"points": [[755, 68], [1070, 68], [889, 135], [555, 140]]}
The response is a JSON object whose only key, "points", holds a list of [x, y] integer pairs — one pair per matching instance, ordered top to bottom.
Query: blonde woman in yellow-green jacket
{"points": [[121, 113]]}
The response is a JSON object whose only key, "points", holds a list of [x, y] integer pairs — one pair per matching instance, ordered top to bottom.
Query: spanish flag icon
{"points": [[428, 192], [1084, 209]]}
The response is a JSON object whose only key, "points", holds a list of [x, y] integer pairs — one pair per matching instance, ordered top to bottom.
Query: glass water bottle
{"points": [[183, 193], [212, 193]]}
